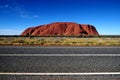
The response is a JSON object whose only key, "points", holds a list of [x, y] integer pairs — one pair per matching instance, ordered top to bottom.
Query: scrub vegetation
{"points": [[59, 41]]}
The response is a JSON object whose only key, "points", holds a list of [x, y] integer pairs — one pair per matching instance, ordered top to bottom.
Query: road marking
{"points": [[59, 47], [77, 47], [59, 55], [42, 74]]}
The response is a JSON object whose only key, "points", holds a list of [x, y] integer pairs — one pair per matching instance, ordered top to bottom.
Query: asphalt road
{"points": [[58, 50], [14, 59]]}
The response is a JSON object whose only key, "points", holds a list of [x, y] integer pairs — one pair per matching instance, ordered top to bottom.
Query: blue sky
{"points": [[17, 15]]}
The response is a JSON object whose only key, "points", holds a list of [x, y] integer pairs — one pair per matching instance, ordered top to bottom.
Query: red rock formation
{"points": [[61, 28]]}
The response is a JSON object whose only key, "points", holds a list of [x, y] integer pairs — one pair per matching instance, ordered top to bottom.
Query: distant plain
{"points": [[60, 41]]}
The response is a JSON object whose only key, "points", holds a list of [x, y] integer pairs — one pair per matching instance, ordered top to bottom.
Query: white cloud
{"points": [[6, 6], [17, 10], [24, 14], [35, 16], [9, 32]]}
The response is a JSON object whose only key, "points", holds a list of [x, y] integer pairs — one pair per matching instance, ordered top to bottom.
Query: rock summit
{"points": [[61, 29]]}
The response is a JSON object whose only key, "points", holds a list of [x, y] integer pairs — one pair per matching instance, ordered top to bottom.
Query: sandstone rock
{"points": [[61, 29]]}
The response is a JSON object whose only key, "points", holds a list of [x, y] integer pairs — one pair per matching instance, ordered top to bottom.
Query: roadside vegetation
{"points": [[59, 41]]}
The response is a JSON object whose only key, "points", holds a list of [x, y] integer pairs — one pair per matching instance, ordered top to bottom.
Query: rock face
{"points": [[61, 29]]}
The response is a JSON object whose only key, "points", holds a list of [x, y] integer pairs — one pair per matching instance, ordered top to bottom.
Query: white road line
{"points": [[59, 47], [73, 47], [77, 47], [59, 55], [42, 74]]}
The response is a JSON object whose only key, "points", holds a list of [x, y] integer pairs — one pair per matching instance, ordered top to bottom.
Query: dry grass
{"points": [[59, 41]]}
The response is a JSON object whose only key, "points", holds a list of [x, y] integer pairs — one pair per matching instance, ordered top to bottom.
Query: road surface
{"points": [[59, 63]]}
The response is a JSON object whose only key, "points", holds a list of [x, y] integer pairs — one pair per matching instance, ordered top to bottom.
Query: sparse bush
{"points": [[63, 41]]}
